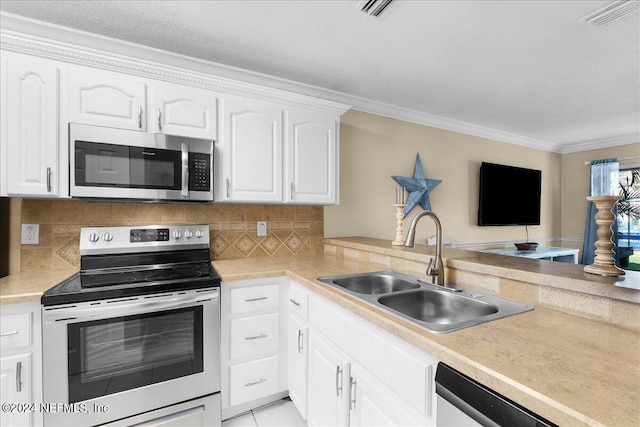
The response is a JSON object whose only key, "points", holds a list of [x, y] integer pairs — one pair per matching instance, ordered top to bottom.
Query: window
{"points": [[629, 219]]}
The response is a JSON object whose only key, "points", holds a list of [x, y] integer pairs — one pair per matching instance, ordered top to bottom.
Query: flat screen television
{"points": [[509, 195]]}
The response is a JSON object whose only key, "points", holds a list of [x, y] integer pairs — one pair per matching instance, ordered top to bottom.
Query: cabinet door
{"points": [[102, 99], [31, 102], [184, 111], [252, 151], [311, 158], [297, 353], [15, 388], [328, 398], [372, 404]]}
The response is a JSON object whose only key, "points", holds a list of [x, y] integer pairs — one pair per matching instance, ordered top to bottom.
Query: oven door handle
{"points": [[128, 307]]}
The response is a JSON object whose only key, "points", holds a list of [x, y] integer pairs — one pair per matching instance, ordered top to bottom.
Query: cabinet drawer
{"points": [[254, 298], [298, 301], [15, 330], [254, 336], [253, 380]]}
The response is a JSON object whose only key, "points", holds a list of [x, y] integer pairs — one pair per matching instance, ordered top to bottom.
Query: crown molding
{"points": [[147, 62], [597, 144]]}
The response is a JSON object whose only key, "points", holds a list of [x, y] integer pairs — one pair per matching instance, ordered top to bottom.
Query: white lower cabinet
{"points": [[253, 344], [298, 350], [20, 365], [360, 375], [15, 389], [328, 397], [371, 404]]}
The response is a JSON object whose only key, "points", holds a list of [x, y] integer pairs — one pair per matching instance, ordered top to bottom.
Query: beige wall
{"points": [[373, 148], [575, 187]]}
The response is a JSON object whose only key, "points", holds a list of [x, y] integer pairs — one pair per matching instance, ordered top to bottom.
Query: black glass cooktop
{"points": [[133, 275]]}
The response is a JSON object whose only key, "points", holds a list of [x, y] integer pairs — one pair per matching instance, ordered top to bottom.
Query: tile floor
{"points": [[278, 414]]}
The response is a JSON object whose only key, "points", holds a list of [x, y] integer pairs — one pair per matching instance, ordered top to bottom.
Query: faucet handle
{"points": [[431, 271]]}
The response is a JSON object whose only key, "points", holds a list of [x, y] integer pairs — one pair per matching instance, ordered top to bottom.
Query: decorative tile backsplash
{"points": [[232, 228]]}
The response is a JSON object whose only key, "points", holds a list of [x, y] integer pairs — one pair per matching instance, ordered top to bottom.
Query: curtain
{"points": [[604, 181]]}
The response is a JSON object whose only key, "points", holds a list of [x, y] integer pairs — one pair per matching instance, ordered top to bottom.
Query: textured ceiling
{"points": [[532, 69]]}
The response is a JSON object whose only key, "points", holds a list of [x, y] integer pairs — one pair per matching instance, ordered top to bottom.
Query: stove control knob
{"points": [[177, 234], [188, 234], [199, 234], [93, 237], [108, 237]]}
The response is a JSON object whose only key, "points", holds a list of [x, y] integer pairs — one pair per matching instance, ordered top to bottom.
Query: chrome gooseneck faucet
{"points": [[434, 269]]}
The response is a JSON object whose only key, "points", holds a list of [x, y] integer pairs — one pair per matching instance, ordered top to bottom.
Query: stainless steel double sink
{"points": [[438, 309]]}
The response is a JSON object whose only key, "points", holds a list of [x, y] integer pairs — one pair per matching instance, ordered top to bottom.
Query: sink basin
{"points": [[375, 284], [443, 308], [438, 309]]}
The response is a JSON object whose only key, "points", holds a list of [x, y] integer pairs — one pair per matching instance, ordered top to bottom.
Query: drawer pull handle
{"points": [[255, 299], [294, 302], [6, 334], [256, 337], [300, 341], [18, 377], [338, 380], [252, 383]]}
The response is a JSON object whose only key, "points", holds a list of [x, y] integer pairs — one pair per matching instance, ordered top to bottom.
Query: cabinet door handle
{"points": [[139, 116], [159, 120], [48, 180], [228, 183], [293, 191], [255, 299], [294, 302], [8, 333], [300, 335], [256, 337], [18, 377], [338, 380], [430, 381], [252, 383], [352, 393]]}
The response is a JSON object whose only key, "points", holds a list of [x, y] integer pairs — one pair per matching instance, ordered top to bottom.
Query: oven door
{"points": [[117, 358]]}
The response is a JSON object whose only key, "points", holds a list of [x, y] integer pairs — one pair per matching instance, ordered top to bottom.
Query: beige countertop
{"points": [[571, 370]]}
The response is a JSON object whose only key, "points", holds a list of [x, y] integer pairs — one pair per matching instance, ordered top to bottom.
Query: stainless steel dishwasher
{"points": [[463, 402]]}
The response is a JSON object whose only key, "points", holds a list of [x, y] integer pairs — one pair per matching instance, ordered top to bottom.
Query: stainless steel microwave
{"points": [[109, 163]]}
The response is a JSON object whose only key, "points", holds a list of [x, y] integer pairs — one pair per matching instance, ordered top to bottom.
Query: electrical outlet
{"points": [[262, 228], [30, 234]]}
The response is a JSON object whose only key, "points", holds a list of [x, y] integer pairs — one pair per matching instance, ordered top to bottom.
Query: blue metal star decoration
{"points": [[418, 187]]}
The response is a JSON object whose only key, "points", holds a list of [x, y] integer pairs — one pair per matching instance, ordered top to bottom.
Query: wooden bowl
{"points": [[528, 246]]}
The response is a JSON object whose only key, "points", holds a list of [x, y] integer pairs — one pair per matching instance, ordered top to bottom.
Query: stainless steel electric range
{"points": [[134, 337]]}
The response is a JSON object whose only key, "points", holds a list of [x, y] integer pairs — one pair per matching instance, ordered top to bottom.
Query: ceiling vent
{"points": [[374, 7], [612, 12]]}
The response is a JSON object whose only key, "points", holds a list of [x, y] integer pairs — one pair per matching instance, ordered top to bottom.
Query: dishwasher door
{"points": [[463, 402]]}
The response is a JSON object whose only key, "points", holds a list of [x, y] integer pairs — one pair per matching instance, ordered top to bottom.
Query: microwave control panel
{"points": [[199, 172]]}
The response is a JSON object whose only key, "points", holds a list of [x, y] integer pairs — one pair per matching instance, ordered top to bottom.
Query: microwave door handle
{"points": [[185, 171]]}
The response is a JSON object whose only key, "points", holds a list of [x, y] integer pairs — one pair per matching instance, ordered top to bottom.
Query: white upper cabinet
{"points": [[106, 99], [183, 110], [29, 126], [250, 147], [311, 157]]}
